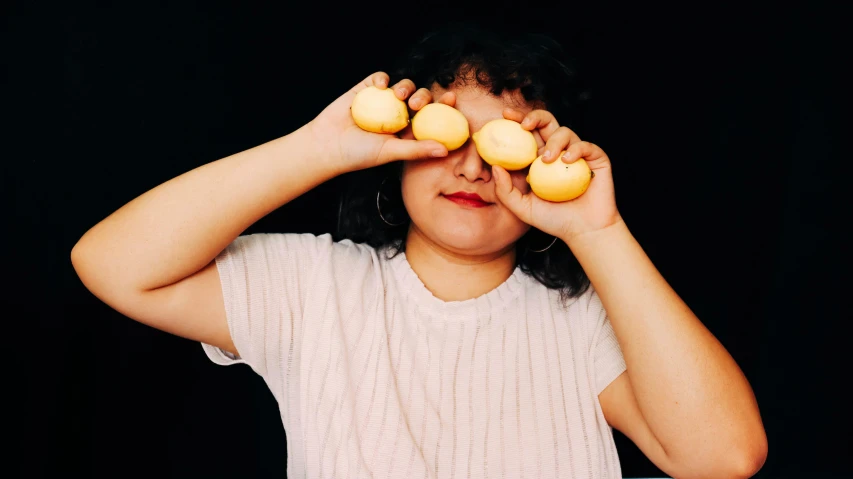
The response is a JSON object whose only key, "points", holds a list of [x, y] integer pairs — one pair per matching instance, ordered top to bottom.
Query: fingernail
{"points": [[402, 92], [437, 153], [546, 155], [567, 157]]}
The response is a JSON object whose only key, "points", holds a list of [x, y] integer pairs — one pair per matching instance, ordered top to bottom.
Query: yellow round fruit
{"points": [[379, 111], [441, 123], [505, 143], [559, 181]]}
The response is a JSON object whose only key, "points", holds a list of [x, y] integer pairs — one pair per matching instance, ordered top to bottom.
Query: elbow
{"points": [[79, 259], [76, 260], [85, 260], [81, 263], [747, 451], [753, 452], [751, 458], [748, 459], [735, 462]]}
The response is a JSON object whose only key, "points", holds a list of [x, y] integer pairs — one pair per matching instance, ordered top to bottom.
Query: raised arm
{"points": [[153, 259], [683, 400]]}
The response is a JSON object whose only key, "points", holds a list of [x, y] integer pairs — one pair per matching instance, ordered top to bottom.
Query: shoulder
{"points": [[305, 246], [299, 258], [313, 266], [567, 304], [589, 311], [582, 312]]}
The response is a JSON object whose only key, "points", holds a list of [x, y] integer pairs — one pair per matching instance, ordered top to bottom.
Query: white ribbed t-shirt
{"points": [[376, 377]]}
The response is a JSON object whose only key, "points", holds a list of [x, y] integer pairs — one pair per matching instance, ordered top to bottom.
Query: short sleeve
{"points": [[264, 281], [607, 360]]}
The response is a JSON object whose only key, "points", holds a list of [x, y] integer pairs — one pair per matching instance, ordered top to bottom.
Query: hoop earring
{"points": [[378, 193], [546, 248]]}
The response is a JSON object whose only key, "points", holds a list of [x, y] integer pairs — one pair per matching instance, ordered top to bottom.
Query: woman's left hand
{"points": [[594, 210]]}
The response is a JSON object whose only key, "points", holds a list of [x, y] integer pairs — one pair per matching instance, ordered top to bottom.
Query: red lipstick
{"points": [[471, 200]]}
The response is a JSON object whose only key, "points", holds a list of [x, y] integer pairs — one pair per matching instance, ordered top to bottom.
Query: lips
{"points": [[472, 200]]}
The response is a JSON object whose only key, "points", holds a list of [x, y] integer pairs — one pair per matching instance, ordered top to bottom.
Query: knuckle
{"points": [[403, 85], [420, 97], [533, 114]]}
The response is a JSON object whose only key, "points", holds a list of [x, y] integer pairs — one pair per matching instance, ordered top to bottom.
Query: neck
{"points": [[451, 276]]}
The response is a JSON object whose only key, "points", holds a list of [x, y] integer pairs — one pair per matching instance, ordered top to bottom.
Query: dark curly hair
{"points": [[534, 64]]}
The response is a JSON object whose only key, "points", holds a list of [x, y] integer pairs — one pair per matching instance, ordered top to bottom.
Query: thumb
{"points": [[399, 149], [510, 196]]}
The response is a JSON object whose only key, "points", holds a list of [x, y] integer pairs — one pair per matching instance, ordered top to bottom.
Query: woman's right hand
{"points": [[350, 148]]}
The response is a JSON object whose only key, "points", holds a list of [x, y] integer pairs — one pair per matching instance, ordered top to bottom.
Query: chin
{"points": [[463, 231], [472, 238]]}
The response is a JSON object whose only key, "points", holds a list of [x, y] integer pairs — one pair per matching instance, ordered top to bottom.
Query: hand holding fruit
{"points": [[381, 111], [501, 142], [506, 144], [562, 171]]}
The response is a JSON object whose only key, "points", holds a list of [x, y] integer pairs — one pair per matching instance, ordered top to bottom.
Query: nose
{"points": [[471, 166]]}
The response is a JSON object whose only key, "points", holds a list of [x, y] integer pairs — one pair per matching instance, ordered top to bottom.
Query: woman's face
{"points": [[428, 186]]}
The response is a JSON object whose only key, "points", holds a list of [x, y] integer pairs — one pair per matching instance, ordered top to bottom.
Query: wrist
{"points": [[316, 151], [579, 240]]}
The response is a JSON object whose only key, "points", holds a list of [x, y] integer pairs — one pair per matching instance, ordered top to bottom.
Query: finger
{"points": [[379, 80], [404, 88], [448, 98], [420, 99], [513, 114], [518, 116], [541, 120], [539, 141], [556, 144], [399, 149], [586, 150], [515, 201]]}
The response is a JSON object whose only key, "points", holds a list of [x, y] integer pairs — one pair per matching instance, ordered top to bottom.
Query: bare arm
{"points": [[172, 233], [153, 259], [684, 401]]}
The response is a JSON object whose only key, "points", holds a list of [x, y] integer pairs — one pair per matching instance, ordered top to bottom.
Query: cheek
{"points": [[418, 182]]}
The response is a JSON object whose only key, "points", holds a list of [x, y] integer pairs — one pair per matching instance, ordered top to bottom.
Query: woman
{"points": [[459, 325]]}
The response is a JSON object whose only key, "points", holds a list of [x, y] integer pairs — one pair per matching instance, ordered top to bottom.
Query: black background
{"points": [[722, 123]]}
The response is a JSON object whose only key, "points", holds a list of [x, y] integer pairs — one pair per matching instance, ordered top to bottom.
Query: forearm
{"points": [[178, 227], [691, 392]]}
